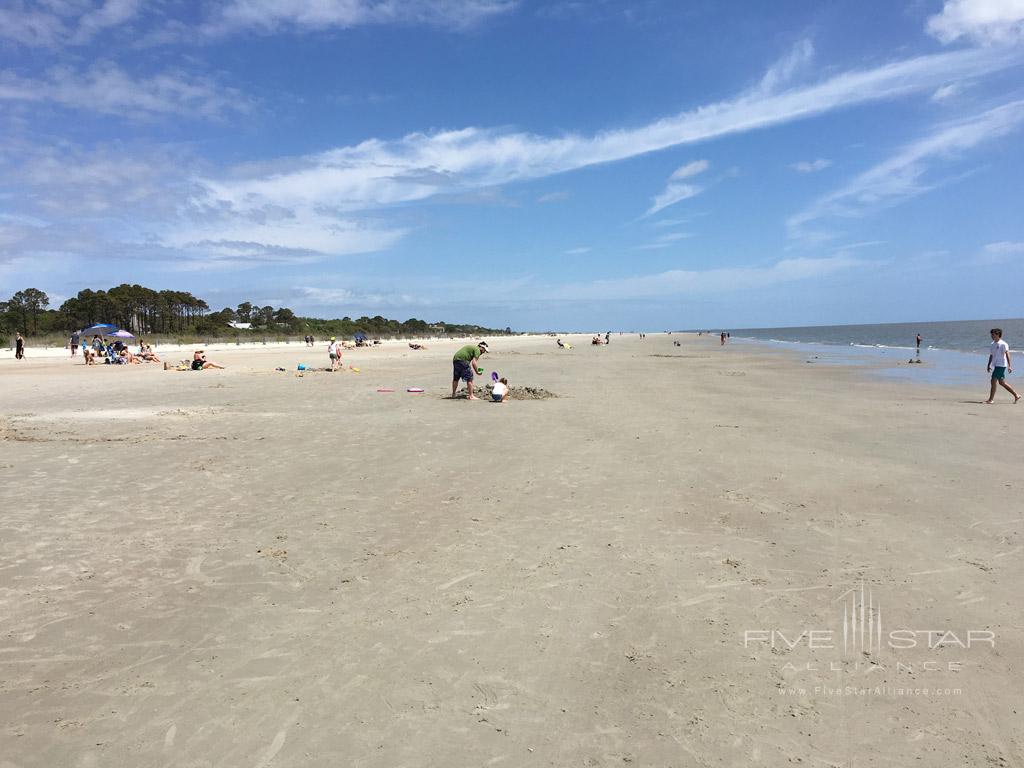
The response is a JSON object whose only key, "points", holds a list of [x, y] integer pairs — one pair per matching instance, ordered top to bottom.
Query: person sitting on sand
{"points": [[559, 343], [417, 347], [149, 355], [200, 363], [499, 393]]}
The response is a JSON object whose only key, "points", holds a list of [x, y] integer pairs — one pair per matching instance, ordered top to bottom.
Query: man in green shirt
{"points": [[464, 366]]}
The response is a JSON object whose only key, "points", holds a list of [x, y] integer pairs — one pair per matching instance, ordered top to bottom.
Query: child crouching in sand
{"points": [[499, 393]]}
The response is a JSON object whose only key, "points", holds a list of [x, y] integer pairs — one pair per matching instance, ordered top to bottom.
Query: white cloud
{"points": [[112, 13], [274, 15], [983, 21], [56, 23], [62, 23], [783, 71], [107, 88], [946, 92], [812, 166], [690, 169], [378, 173], [902, 175], [674, 193], [553, 197], [319, 205], [664, 241], [578, 251], [999, 253], [680, 282]]}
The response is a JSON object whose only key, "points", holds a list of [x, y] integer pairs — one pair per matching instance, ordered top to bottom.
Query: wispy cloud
{"points": [[276, 15], [983, 21], [64, 22], [785, 69], [108, 89], [945, 92], [811, 166], [376, 172], [903, 175], [676, 191], [553, 197], [328, 204], [664, 241], [578, 251], [999, 253], [679, 282]]}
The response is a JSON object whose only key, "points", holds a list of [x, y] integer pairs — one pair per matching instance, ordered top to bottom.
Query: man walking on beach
{"points": [[19, 347], [999, 364], [464, 365]]}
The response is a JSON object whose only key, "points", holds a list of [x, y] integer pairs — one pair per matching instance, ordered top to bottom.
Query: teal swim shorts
{"points": [[999, 372]]}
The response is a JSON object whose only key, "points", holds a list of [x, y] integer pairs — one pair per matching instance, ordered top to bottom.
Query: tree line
{"points": [[145, 311]]}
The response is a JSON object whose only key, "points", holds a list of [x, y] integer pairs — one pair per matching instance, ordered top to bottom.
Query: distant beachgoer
{"points": [[608, 337], [723, 338], [73, 342], [919, 342], [559, 343], [19, 347], [417, 347], [334, 352], [200, 363], [999, 363], [464, 364], [499, 393]]}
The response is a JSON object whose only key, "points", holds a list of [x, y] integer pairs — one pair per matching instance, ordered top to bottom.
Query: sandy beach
{"points": [[694, 555]]}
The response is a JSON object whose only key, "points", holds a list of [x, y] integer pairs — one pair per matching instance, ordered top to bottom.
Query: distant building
{"points": [[241, 326]]}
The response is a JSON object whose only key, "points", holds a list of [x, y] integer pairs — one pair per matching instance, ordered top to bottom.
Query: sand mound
{"points": [[530, 393]]}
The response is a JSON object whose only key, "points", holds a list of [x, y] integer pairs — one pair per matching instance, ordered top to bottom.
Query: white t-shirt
{"points": [[334, 348], [998, 350], [499, 389]]}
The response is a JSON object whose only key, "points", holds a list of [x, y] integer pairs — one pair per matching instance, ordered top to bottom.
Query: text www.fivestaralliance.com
{"points": [[874, 690]]}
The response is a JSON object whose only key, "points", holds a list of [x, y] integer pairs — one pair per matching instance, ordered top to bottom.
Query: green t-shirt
{"points": [[467, 353]]}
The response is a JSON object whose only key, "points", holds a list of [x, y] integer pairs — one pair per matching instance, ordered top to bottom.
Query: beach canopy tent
{"points": [[103, 329], [360, 336]]}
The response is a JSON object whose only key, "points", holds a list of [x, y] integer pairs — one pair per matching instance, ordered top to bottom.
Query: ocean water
{"points": [[955, 335], [952, 352]]}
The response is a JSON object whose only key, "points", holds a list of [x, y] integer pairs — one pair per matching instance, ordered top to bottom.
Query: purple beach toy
{"points": [[494, 375]]}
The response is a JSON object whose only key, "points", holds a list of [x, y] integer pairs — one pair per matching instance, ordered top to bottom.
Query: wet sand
{"points": [[251, 568]]}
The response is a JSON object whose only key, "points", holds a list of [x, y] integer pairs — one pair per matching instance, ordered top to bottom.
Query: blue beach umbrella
{"points": [[101, 329]]}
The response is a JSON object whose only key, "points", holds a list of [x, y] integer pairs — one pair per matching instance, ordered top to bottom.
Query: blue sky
{"points": [[564, 164]]}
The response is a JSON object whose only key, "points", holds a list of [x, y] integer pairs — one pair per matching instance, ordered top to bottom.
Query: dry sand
{"points": [[249, 568]]}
